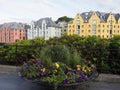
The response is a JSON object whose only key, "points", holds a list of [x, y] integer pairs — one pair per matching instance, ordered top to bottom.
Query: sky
{"points": [[27, 10]]}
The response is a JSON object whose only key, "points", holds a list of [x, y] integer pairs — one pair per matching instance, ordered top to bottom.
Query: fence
{"points": [[106, 60]]}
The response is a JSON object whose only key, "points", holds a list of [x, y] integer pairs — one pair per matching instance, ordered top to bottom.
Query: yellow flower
{"points": [[57, 65], [78, 66], [78, 69], [43, 70], [85, 71]]}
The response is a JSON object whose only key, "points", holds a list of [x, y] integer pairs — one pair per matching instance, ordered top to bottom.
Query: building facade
{"points": [[101, 24], [64, 27], [45, 28], [11, 32]]}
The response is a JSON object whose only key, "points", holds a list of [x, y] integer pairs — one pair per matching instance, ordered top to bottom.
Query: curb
{"points": [[9, 69], [108, 78]]}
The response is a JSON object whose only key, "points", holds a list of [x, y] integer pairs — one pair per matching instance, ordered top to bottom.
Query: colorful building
{"points": [[101, 24], [64, 27], [45, 28], [11, 32]]}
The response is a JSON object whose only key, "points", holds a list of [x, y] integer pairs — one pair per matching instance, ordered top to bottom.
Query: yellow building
{"points": [[104, 25]]}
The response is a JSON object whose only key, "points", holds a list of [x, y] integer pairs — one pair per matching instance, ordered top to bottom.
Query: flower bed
{"points": [[52, 72]]}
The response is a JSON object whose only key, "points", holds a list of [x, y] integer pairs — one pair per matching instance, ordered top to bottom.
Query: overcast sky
{"points": [[27, 10]]}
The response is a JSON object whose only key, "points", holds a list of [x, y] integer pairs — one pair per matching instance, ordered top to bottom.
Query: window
{"points": [[78, 17], [78, 22], [94, 22], [98, 25], [103, 25], [43, 26], [69, 26], [78, 26], [82, 26], [89, 26], [108, 26], [114, 26], [118, 26], [94, 27], [77, 31], [82, 31], [89, 31], [93, 31], [99, 31], [103, 31], [107, 31], [110, 31], [98, 35], [103, 36], [107, 36]]}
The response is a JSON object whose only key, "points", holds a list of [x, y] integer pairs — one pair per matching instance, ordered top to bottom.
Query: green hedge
{"points": [[105, 53]]}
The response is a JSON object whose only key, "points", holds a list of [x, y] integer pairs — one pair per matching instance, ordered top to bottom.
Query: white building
{"points": [[44, 27]]}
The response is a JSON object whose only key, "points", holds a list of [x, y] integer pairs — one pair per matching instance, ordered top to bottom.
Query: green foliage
{"points": [[64, 18], [102, 52], [56, 53], [75, 58]]}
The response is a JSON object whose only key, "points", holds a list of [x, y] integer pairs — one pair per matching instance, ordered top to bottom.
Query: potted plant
{"points": [[57, 67]]}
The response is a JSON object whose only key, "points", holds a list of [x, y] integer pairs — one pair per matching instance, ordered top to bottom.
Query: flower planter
{"points": [[58, 69], [72, 86]]}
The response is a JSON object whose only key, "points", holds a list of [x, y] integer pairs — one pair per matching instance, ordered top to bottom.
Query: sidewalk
{"points": [[10, 81]]}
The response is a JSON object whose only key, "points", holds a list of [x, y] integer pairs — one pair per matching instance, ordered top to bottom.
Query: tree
{"points": [[64, 18]]}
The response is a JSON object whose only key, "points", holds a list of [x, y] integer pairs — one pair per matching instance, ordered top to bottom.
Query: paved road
{"points": [[13, 82]]}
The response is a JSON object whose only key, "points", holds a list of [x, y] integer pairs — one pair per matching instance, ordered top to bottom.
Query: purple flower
{"points": [[38, 63], [30, 69], [75, 71], [38, 73], [68, 73], [19, 74], [82, 75], [73, 77], [78, 79], [65, 81]]}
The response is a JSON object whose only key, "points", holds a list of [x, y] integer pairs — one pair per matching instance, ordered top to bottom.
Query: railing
{"points": [[106, 60]]}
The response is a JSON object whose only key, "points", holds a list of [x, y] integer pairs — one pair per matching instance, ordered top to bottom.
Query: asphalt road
{"points": [[13, 82]]}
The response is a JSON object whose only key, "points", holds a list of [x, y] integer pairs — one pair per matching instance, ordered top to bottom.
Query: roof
{"points": [[102, 15], [86, 16], [48, 21], [62, 23], [14, 25]]}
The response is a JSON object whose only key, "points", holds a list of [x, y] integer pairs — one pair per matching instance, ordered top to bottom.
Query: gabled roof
{"points": [[102, 15], [86, 16], [117, 16], [48, 21], [14, 25]]}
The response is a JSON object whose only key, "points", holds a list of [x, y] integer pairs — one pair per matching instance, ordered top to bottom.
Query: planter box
{"points": [[72, 86]]}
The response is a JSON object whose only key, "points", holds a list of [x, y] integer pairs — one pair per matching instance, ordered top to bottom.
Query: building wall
{"points": [[94, 26], [46, 32], [8, 35]]}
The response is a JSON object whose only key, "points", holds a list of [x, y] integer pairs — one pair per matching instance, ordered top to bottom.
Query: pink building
{"points": [[11, 32]]}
